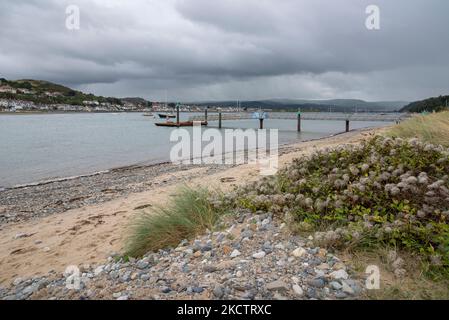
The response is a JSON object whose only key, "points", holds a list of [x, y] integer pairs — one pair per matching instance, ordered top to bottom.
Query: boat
{"points": [[148, 114], [166, 116], [180, 124]]}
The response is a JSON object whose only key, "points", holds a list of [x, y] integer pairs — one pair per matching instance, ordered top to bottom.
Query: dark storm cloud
{"points": [[199, 49]]}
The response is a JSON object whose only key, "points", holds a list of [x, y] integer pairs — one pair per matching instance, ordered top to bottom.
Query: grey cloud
{"points": [[199, 49]]}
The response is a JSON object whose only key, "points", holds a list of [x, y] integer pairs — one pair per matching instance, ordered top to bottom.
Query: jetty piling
{"points": [[219, 120], [299, 122], [347, 125]]}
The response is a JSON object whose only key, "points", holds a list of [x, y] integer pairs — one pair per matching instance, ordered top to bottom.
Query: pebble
{"points": [[299, 252], [235, 253], [259, 255], [262, 265], [339, 274], [317, 283], [277, 286], [298, 290]]}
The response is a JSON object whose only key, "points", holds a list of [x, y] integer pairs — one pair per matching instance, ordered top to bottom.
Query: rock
{"points": [[246, 234], [21, 236], [36, 242], [47, 249], [227, 250], [299, 252], [235, 253], [197, 254], [259, 255], [142, 264], [323, 266], [210, 269], [98, 270], [239, 274], [339, 274], [145, 277], [17, 281], [317, 283], [335, 285], [277, 286], [346, 288], [197, 289], [165, 290], [298, 290], [218, 292], [117, 295], [123, 298]]}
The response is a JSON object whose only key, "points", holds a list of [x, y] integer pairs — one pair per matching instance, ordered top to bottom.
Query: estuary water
{"points": [[41, 147]]}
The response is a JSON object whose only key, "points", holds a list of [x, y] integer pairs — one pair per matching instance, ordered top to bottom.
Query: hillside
{"points": [[45, 92], [429, 105]]}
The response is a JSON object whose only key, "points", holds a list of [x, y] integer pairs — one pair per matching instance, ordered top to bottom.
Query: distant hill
{"points": [[45, 92], [336, 105], [430, 105]]}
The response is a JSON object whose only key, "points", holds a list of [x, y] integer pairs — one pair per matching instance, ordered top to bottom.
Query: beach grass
{"points": [[432, 128], [187, 215]]}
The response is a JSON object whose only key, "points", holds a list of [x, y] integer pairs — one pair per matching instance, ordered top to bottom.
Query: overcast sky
{"points": [[231, 49]]}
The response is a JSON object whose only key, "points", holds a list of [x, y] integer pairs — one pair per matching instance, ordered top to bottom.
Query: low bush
{"points": [[383, 192]]}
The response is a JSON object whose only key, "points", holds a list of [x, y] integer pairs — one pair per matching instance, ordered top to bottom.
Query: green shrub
{"points": [[384, 192]]}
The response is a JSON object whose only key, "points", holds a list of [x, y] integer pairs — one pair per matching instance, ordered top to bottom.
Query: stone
{"points": [[21, 236], [227, 250], [299, 252], [235, 253], [197, 254], [259, 255], [142, 264], [323, 266], [209, 269], [98, 270], [239, 274], [339, 275], [17, 281], [317, 283], [335, 285], [277, 286], [346, 288], [197, 289], [165, 290], [298, 290], [218, 291], [117, 295], [123, 298]]}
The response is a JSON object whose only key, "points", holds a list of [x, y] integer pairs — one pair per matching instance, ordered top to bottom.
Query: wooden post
{"points": [[205, 114], [177, 115], [219, 120], [299, 122], [261, 123], [347, 125]]}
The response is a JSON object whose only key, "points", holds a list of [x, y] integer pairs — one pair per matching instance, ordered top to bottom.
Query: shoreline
{"points": [[149, 163], [54, 226]]}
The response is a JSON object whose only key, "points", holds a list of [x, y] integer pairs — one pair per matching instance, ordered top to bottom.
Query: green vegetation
{"points": [[64, 95], [432, 104], [432, 128], [383, 193], [188, 215]]}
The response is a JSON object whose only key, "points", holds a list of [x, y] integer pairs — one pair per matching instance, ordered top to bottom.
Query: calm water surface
{"points": [[41, 147]]}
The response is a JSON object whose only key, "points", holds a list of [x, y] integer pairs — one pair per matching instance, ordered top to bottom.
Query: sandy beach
{"points": [[84, 220]]}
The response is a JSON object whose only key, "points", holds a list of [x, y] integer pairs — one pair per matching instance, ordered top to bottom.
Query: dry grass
{"points": [[432, 128], [189, 214], [415, 285]]}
